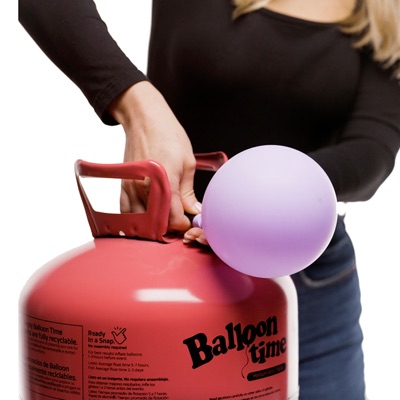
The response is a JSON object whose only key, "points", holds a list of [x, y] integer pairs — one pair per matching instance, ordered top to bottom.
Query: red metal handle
{"points": [[153, 223]]}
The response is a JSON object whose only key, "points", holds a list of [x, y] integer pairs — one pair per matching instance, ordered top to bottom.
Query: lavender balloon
{"points": [[269, 211]]}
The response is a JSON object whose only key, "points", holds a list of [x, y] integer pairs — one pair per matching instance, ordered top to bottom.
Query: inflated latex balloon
{"points": [[269, 211]]}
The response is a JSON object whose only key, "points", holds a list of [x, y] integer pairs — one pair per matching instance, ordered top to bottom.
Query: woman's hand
{"points": [[153, 132]]}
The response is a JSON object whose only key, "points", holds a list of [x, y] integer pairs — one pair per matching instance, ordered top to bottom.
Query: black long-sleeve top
{"points": [[265, 78]]}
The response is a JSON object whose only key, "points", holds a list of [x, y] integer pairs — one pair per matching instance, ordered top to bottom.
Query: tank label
{"points": [[125, 361], [44, 374]]}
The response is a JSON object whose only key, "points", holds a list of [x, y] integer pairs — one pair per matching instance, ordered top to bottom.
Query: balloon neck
{"points": [[197, 221]]}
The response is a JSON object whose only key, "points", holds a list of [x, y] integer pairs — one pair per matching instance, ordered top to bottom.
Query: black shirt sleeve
{"points": [[73, 35], [365, 152]]}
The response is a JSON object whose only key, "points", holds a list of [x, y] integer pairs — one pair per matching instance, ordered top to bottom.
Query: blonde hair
{"points": [[375, 24]]}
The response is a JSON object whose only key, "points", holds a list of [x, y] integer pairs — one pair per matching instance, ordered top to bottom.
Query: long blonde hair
{"points": [[374, 24]]}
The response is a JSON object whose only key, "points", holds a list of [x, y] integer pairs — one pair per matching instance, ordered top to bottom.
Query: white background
{"points": [[47, 124]]}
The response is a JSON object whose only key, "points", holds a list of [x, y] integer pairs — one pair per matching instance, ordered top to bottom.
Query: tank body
{"points": [[132, 319]]}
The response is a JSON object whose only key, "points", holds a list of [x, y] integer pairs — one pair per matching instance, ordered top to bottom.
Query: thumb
{"points": [[189, 201]]}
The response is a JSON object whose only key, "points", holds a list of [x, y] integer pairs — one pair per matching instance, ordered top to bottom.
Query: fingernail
{"points": [[197, 206], [188, 238], [202, 241]]}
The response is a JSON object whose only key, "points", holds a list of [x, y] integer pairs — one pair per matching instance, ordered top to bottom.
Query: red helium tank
{"points": [[137, 319]]}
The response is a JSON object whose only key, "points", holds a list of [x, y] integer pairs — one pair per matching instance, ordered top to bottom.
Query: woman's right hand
{"points": [[153, 132]]}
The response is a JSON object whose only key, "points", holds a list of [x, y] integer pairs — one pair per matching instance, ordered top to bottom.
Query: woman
{"points": [[316, 76]]}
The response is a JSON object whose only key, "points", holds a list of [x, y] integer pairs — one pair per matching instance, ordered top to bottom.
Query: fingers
{"points": [[133, 197], [195, 234]]}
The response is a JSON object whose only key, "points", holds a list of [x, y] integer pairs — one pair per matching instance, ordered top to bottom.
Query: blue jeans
{"points": [[331, 357]]}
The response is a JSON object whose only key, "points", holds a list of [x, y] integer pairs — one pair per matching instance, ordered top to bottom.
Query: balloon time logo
{"points": [[261, 342]]}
